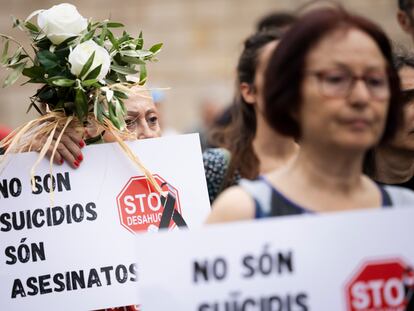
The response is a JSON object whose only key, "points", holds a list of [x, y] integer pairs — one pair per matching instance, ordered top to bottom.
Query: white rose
{"points": [[61, 22], [80, 55]]}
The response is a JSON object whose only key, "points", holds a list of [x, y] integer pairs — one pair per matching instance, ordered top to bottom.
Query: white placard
{"points": [[86, 261], [343, 261]]}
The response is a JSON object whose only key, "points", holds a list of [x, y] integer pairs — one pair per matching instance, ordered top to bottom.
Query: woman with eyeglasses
{"points": [[331, 85], [392, 162]]}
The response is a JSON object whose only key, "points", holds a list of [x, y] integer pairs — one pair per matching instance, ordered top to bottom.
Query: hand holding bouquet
{"points": [[83, 71]]}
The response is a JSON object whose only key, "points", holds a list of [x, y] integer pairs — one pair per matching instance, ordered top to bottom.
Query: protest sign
{"points": [[76, 251], [344, 261]]}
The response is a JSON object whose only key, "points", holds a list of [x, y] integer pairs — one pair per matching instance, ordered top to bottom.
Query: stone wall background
{"points": [[202, 40]]}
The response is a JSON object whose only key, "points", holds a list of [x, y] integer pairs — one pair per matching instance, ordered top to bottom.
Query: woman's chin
{"points": [[354, 142], [361, 144]]}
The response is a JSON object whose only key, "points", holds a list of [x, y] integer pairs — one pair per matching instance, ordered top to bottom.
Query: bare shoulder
{"points": [[232, 205]]}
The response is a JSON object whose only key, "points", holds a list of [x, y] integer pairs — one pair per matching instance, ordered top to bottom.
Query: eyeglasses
{"points": [[339, 83]]}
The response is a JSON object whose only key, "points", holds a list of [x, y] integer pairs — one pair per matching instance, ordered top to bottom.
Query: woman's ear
{"points": [[404, 21], [248, 92]]}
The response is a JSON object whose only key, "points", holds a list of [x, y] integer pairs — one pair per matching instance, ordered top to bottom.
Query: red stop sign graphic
{"points": [[140, 207], [377, 285]]}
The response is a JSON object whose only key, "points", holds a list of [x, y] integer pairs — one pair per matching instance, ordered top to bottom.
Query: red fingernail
{"points": [[82, 144], [80, 158], [61, 161], [76, 163]]}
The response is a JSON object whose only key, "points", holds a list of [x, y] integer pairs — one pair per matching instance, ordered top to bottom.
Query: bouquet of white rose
{"points": [[83, 69]]}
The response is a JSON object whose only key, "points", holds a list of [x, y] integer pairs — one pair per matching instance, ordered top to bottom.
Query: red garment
{"points": [[4, 131]]}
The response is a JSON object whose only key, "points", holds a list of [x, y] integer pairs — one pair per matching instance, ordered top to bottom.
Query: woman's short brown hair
{"points": [[286, 68]]}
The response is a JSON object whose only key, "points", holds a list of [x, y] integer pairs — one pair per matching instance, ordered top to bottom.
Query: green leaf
{"points": [[16, 22], [99, 24], [92, 25], [114, 25], [31, 27], [103, 35], [37, 36], [88, 36], [125, 37], [114, 42], [140, 43], [43, 44], [64, 44], [128, 45], [156, 48], [136, 53], [4, 54], [63, 54], [21, 57], [15, 58], [47, 59], [132, 60], [13, 61], [16, 65], [87, 65], [124, 70], [34, 72], [94, 73], [14, 75], [142, 75], [56, 77], [120, 77], [111, 78], [35, 80], [63, 82], [87, 83], [46, 93], [109, 94], [120, 94], [33, 104], [81, 104], [68, 106], [98, 109], [123, 109], [119, 114], [113, 117]]}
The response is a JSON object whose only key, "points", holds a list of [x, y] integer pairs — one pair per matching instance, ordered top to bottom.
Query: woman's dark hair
{"points": [[405, 5], [275, 20], [402, 58], [286, 69], [237, 137]]}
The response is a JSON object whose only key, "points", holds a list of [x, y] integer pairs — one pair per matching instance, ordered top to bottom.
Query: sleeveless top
{"points": [[269, 202]]}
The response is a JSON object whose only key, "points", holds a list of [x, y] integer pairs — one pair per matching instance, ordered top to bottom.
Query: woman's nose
{"points": [[146, 132]]}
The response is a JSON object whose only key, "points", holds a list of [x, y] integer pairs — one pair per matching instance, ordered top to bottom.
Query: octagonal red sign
{"points": [[140, 207], [379, 285]]}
